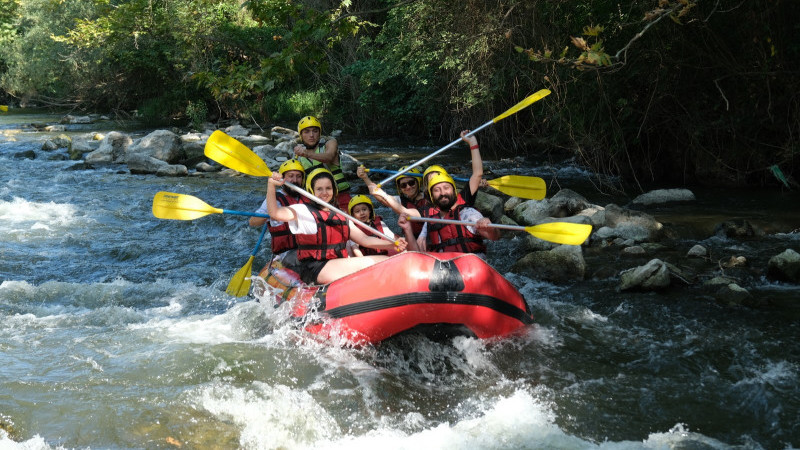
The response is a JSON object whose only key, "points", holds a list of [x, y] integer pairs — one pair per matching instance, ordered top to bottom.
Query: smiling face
{"points": [[310, 136], [408, 187], [323, 188], [444, 195], [361, 212]]}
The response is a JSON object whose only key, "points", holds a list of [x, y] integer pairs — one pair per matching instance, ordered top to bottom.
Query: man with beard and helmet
{"points": [[313, 154], [439, 237], [284, 244]]}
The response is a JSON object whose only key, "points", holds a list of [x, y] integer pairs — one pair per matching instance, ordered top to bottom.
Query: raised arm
{"points": [[477, 163]]}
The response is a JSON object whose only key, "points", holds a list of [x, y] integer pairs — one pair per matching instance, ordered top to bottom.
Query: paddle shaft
{"points": [[425, 159], [416, 175], [321, 202], [244, 213], [460, 222], [260, 238]]}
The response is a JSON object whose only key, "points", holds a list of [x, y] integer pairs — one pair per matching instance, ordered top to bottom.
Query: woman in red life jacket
{"points": [[362, 209], [322, 234], [440, 237], [282, 239]]}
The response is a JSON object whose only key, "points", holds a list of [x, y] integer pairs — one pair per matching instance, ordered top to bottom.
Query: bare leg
{"points": [[338, 268]]}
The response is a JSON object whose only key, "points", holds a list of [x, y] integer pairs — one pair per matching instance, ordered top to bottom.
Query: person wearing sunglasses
{"points": [[409, 193]]}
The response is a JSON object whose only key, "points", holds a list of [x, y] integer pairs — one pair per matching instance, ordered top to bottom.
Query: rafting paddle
{"points": [[513, 110], [233, 154], [514, 185], [169, 205], [556, 232], [239, 285]]}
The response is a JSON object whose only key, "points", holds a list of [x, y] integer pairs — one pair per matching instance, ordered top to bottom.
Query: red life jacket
{"points": [[420, 205], [377, 223], [448, 237], [331, 238], [282, 239]]}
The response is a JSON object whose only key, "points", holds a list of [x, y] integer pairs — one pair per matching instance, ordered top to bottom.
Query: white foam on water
{"points": [[20, 211]]}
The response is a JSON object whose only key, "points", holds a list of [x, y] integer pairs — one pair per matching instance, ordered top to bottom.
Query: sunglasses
{"points": [[405, 184]]}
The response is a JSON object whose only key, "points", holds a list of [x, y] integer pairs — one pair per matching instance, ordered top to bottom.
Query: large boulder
{"points": [[160, 144], [112, 149], [142, 164], [660, 196], [567, 203], [489, 205], [531, 212], [629, 224], [561, 264], [785, 266], [650, 277]]}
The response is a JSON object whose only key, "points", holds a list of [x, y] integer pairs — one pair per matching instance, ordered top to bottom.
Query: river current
{"points": [[116, 332]]}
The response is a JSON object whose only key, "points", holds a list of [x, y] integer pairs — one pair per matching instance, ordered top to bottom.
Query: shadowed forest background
{"points": [[655, 92]]}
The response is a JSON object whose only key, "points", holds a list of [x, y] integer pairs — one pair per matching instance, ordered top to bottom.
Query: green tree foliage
{"points": [[657, 90]]}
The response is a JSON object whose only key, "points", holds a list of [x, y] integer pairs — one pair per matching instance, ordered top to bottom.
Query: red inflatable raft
{"points": [[447, 293]]}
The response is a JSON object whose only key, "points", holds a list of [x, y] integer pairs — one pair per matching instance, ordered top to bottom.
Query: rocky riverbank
{"points": [[628, 246]]}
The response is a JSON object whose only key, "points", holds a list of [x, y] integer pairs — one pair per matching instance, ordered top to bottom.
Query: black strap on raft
{"points": [[445, 277]]}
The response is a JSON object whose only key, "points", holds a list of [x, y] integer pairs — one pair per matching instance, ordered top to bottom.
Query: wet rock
{"points": [[76, 119], [55, 128], [236, 131], [253, 140], [160, 144], [49, 146], [112, 149], [27, 154], [142, 164], [206, 167], [660, 196], [512, 203], [567, 203], [489, 205], [531, 212], [596, 215], [629, 224], [737, 229], [633, 250], [697, 251], [735, 261], [561, 264], [785, 267], [650, 277], [734, 295]]}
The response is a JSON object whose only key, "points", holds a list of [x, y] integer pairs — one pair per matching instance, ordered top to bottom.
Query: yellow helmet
{"points": [[308, 121], [291, 164], [433, 168], [315, 174], [440, 178], [397, 180], [359, 199]]}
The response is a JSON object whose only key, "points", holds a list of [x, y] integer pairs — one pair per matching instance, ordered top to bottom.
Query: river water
{"points": [[116, 332]]}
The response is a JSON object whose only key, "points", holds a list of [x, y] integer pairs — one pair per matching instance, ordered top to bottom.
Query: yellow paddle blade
{"points": [[535, 97], [3, 108], [233, 154], [520, 186], [168, 205], [561, 232], [240, 283]]}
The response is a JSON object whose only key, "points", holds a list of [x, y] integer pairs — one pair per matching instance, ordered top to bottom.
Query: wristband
{"points": [[473, 147]]}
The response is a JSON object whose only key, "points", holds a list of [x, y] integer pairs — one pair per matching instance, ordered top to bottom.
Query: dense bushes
{"points": [[655, 91]]}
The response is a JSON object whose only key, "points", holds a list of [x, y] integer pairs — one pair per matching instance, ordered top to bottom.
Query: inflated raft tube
{"points": [[408, 291]]}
